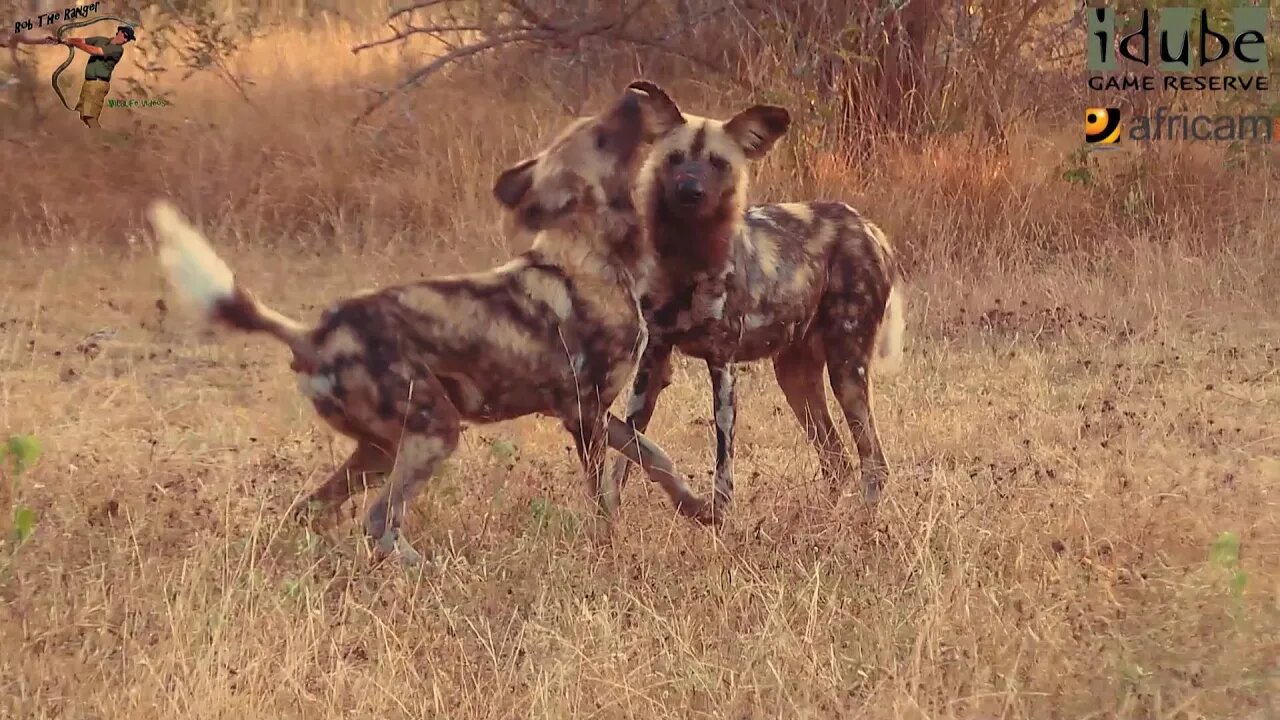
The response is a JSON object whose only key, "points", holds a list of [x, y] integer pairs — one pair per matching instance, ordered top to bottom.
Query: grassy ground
{"points": [[1071, 439], [1062, 469]]}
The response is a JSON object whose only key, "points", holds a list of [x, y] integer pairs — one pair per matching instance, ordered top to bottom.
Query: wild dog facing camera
{"points": [[698, 163]]}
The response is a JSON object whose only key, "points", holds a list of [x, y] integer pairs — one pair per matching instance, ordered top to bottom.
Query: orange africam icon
{"points": [[1101, 126]]}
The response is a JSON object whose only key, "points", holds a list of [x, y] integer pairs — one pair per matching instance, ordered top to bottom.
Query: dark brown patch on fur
{"points": [[699, 143], [514, 183], [835, 212], [688, 247], [240, 312]]}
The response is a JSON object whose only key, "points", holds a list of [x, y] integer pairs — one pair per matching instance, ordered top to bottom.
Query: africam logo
{"points": [[1103, 129]]}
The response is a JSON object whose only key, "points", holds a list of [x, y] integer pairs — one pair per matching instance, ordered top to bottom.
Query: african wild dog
{"points": [[808, 284], [556, 331]]}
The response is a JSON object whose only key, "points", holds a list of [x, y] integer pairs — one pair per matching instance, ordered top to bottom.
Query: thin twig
{"points": [[421, 5], [528, 15], [442, 29], [433, 30], [668, 49], [440, 62], [223, 71]]}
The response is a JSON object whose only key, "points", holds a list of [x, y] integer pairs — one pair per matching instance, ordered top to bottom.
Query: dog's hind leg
{"points": [[849, 357], [798, 370], [430, 436], [591, 440], [366, 467]]}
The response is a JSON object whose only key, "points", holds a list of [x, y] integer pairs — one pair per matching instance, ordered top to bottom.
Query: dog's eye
{"points": [[602, 139], [675, 158], [719, 163]]}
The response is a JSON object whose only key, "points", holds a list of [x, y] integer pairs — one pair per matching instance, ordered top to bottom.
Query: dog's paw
{"points": [[700, 511], [311, 514]]}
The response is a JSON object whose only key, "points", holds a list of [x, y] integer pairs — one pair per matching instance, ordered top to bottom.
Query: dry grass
{"points": [[1071, 433]]}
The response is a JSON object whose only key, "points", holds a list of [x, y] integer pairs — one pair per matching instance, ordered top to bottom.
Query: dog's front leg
{"points": [[653, 375], [723, 378], [642, 451]]}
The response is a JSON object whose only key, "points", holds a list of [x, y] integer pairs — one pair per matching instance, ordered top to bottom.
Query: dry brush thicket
{"points": [[1082, 520]]}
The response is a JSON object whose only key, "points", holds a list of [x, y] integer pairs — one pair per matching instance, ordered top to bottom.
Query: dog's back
{"points": [[505, 343]]}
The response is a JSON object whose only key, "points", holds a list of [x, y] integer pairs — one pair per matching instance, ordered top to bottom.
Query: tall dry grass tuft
{"points": [[1082, 520]]}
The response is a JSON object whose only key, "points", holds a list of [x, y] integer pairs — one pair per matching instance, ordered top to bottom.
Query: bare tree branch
{"points": [[526, 25], [664, 46], [439, 63]]}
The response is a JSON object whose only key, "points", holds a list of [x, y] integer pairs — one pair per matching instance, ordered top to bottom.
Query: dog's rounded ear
{"points": [[649, 87], [661, 114], [757, 128], [514, 182]]}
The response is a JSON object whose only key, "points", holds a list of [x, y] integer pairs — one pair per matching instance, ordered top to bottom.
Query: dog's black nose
{"points": [[689, 191]]}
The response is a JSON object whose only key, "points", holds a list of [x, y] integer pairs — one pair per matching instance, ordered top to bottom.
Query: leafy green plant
{"points": [[1075, 168], [503, 449], [18, 454], [504, 454], [546, 515], [1224, 554], [293, 588]]}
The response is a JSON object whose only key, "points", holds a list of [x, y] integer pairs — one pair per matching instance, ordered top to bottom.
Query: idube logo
{"points": [[1171, 48]]}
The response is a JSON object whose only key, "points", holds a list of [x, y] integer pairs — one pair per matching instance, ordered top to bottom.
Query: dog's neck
{"points": [[609, 242], [693, 247]]}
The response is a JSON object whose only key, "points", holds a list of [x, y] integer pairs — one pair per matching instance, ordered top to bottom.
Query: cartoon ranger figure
{"points": [[104, 55]]}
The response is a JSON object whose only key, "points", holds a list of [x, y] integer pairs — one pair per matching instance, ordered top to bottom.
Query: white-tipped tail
{"points": [[194, 270], [202, 279], [887, 359]]}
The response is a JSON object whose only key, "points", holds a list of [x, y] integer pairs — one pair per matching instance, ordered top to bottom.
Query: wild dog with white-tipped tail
{"points": [[557, 331]]}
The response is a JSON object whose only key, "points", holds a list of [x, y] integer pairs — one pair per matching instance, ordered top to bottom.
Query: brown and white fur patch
{"points": [[811, 285], [556, 331]]}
